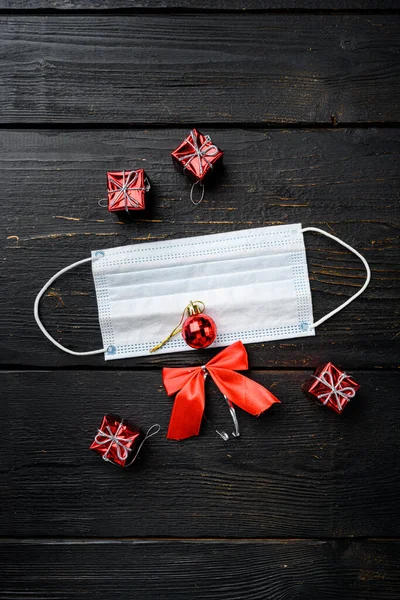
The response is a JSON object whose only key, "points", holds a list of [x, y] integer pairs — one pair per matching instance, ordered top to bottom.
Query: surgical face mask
{"points": [[254, 284]]}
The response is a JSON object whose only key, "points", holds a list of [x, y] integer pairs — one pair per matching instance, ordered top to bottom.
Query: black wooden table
{"points": [[305, 103]]}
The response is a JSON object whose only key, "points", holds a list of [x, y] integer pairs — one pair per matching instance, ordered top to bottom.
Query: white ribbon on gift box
{"points": [[206, 149], [335, 390], [120, 442]]}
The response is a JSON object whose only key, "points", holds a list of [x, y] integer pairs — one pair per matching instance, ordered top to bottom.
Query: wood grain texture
{"points": [[209, 5], [189, 68], [344, 181], [299, 470], [74, 527], [205, 569]]}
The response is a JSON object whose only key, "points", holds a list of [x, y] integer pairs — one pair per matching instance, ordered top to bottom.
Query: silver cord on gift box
{"points": [[207, 149], [201, 153], [126, 187], [335, 390], [114, 439], [120, 443]]}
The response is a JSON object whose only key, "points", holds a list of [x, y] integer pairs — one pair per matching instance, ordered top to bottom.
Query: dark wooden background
{"points": [[305, 103]]}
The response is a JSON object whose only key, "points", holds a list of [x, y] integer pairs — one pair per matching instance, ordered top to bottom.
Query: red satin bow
{"points": [[188, 408]]}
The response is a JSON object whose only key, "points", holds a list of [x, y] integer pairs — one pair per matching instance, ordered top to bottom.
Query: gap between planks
{"points": [[137, 11], [89, 126], [17, 369], [200, 540]]}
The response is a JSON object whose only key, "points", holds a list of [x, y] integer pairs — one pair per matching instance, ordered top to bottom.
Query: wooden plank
{"points": [[230, 5], [187, 68], [344, 181], [300, 470], [243, 570]]}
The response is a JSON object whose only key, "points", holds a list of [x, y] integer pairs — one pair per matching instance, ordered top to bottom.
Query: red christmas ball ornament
{"points": [[199, 331]]}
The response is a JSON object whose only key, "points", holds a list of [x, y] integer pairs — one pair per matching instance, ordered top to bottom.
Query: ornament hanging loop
{"points": [[147, 184], [196, 202], [194, 307], [153, 430]]}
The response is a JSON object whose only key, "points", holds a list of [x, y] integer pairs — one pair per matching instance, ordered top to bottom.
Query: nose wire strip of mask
{"points": [[359, 292], [39, 322]]}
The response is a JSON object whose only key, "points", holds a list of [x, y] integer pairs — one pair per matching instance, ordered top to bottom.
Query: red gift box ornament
{"points": [[197, 156], [126, 190], [331, 387], [188, 409], [115, 441]]}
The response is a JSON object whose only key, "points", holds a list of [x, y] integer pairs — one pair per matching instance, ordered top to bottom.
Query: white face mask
{"points": [[254, 284]]}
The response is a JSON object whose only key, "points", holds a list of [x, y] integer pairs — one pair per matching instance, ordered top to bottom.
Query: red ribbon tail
{"points": [[242, 391], [188, 409]]}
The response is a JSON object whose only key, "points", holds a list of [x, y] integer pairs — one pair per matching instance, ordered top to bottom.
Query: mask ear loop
{"points": [[360, 291], [39, 322]]}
